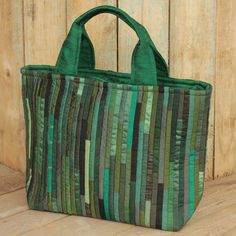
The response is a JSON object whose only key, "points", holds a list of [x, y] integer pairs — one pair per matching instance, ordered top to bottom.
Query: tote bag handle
{"points": [[77, 50]]}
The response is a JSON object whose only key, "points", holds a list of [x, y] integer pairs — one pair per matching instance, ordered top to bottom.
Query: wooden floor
{"points": [[216, 214]]}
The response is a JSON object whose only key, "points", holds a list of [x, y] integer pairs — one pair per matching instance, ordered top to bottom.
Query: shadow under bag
{"points": [[123, 147]]}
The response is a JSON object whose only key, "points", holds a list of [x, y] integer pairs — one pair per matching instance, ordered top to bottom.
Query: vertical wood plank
{"points": [[154, 15], [45, 30], [102, 31], [192, 50], [225, 112], [12, 151]]}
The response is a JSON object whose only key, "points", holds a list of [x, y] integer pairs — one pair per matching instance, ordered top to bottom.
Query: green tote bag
{"points": [[123, 147]]}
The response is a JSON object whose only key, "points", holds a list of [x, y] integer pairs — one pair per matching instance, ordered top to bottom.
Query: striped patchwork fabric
{"points": [[126, 153]]}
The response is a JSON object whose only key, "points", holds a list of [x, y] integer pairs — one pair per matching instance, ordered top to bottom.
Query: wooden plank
{"points": [[154, 18], [101, 29], [45, 30], [192, 50], [225, 113], [12, 145], [6, 171], [10, 180], [11, 183], [13, 203], [25, 221], [75, 225], [136, 230], [230, 232]]}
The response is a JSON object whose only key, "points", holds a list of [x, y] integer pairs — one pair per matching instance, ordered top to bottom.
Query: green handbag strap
{"points": [[77, 51]]}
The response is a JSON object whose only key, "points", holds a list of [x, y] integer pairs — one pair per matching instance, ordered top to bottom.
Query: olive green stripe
{"points": [[167, 221]]}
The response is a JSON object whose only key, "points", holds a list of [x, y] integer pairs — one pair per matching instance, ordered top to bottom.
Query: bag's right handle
{"points": [[147, 63]]}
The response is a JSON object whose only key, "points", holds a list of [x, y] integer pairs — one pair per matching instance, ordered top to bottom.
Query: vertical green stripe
{"points": [[81, 87], [132, 107], [109, 112], [131, 118], [29, 127], [166, 129], [93, 136], [50, 143], [61, 143], [114, 152], [188, 163], [92, 166], [139, 173], [86, 179], [191, 182], [106, 193], [168, 194], [147, 212]]}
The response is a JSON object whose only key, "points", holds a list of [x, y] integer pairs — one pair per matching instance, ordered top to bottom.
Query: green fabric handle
{"points": [[77, 51]]}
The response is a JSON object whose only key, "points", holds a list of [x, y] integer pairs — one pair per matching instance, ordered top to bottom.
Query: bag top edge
{"points": [[46, 70]]}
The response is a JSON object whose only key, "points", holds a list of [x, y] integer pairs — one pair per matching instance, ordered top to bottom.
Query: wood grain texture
{"points": [[154, 15], [44, 29], [102, 31], [192, 50], [225, 111], [12, 138], [10, 180], [12, 183], [13, 203], [25, 221], [83, 226]]}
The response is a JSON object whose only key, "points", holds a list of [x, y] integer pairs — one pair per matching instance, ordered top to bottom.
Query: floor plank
{"points": [[5, 171], [10, 180], [13, 203], [25, 221], [85, 226]]}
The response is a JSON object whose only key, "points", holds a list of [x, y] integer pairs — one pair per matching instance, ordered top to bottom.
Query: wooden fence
{"points": [[196, 37]]}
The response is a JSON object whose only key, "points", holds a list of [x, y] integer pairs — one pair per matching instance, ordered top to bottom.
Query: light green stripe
{"points": [[81, 87], [148, 113], [131, 118], [147, 120], [115, 122], [29, 127], [125, 127], [50, 147], [114, 153], [86, 179], [191, 182], [201, 182], [147, 213]]}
